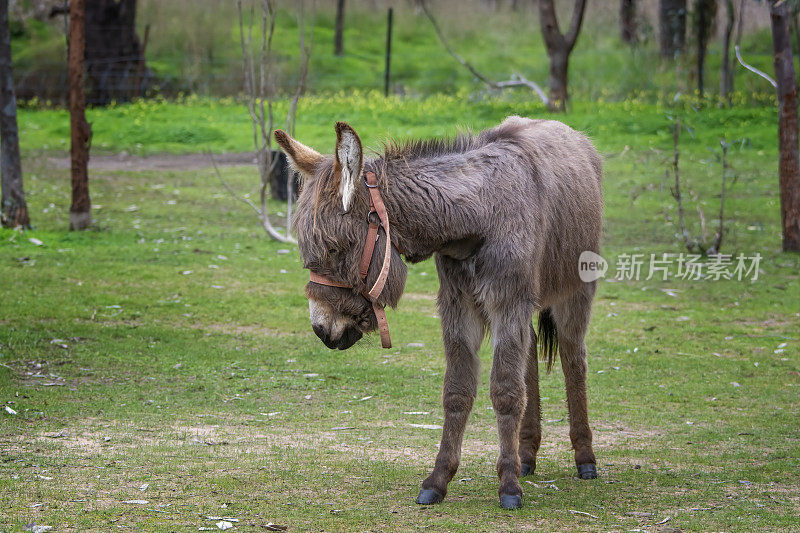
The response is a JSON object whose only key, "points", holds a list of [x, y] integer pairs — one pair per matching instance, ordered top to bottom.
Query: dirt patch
{"points": [[137, 163]]}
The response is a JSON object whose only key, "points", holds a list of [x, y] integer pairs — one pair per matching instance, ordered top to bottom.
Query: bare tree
{"points": [[705, 11], [627, 22], [671, 27], [338, 33], [559, 46], [726, 72], [259, 89], [291, 117], [789, 162], [14, 209], [80, 212], [701, 243]]}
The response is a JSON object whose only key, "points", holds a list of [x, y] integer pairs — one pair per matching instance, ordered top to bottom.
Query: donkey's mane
{"points": [[422, 148]]}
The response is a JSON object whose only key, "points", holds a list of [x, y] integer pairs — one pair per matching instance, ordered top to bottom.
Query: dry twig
{"points": [[517, 80]]}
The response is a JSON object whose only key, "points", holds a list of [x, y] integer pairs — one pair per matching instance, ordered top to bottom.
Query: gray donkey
{"points": [[506, 214]]}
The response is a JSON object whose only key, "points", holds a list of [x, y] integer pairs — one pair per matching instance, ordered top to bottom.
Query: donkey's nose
{"points": [[323, 336], [349, 337]]}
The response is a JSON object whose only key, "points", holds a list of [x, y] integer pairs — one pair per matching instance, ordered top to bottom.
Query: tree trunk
{"points": [[705, 11], [627, 21], [671, 27], [338, 37], [559, 46], [114, 56], [559, 62], [726, 72], [789, 162], [14, 208], [80, 213]]}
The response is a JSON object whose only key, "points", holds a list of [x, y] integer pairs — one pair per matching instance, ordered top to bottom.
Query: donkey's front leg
{"points": [[462, 332], [511, 339]]}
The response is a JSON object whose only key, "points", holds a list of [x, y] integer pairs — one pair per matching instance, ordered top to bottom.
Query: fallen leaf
{"points": [[10, 410]]}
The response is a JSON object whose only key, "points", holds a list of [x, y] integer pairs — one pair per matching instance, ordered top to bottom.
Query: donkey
{"points": [[506, 213]]}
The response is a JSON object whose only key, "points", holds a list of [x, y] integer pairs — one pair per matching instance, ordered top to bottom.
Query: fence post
{"points": [[386, 73]]}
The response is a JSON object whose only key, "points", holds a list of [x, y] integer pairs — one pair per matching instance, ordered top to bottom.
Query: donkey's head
{"points": [[331, 224]]}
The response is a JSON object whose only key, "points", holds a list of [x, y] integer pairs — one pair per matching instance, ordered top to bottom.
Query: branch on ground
{"points": [[516, 80], [263, 215]]}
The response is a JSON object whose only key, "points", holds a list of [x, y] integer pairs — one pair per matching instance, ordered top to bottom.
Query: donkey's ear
{"points": [[302, 158], [349, 161]]}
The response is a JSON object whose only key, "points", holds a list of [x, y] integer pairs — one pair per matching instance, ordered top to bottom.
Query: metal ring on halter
{"points": [[374, 222]]}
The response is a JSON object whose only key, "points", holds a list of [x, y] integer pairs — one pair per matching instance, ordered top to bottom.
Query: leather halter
{"points": [[376, 206]]}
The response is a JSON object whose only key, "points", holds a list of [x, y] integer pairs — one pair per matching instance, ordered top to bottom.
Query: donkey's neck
{"points": [[431, 207]]}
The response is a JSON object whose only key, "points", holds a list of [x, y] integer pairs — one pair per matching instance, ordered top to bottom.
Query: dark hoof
{"points": [[526, 470], [587, 471], [429, 497], [511, 501]]}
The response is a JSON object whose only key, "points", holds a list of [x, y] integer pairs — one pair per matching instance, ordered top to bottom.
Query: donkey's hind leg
{"points": [[572, 320], [462, 333], [511, 339], [530, 435]]}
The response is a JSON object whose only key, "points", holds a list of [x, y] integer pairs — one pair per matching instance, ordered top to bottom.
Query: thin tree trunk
{"points": [[705, 12], [627, 21], [671, 27], [338, 37], [559, 46], [559, 62], [726, 72], [789, 162], [14, 208], [80, 213]]}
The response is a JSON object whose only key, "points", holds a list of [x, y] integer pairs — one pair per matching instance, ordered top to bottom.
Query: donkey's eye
{"points": [[333, 251]]}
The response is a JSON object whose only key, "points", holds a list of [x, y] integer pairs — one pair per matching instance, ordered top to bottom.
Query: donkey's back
{"points": [[544, 187]]}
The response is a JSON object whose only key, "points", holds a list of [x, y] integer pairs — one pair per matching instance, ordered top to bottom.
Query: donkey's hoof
{"points": [[526, 470], [587, 471], [429, 497], [511, 501]]}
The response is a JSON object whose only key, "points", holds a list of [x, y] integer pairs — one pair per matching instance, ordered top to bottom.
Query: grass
{"points": [[169, 346]]}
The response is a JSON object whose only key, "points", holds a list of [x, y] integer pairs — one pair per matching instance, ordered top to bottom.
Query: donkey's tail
{"points": [[547, 338]]}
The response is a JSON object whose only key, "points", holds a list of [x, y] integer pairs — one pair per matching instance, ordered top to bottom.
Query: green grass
{"points": [[195, 124], [188, 363]]}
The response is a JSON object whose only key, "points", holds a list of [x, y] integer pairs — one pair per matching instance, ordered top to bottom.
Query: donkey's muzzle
{"points": [[350, 336]]}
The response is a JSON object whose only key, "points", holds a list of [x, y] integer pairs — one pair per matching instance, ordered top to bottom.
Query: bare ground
{"points": [[127, 162]]}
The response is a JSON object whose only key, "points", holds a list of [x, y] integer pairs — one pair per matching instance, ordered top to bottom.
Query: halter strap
{"points": [[376, 206]]}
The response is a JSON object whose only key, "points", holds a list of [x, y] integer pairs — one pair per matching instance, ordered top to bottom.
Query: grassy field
{"points": [[165, 356]]}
